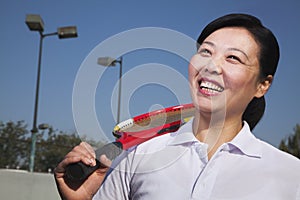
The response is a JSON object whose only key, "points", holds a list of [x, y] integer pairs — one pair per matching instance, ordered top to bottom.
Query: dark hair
{"points": [[268, 55]]}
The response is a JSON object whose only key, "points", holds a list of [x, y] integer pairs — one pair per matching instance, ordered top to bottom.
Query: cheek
{"points": [[196, 64], [192, 72], [239, 80]]}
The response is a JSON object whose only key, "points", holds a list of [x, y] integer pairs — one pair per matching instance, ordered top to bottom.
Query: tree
{"points": [[292, 143], [54, 145], [14, 146], [51, 146]]}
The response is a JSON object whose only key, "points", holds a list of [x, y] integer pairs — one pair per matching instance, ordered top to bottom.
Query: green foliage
{"points": [[292, 143], [14, 146], [51, 146], [52, 149]]}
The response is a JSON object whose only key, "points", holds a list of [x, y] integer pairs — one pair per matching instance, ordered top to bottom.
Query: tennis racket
{"points": [[132, 132]]}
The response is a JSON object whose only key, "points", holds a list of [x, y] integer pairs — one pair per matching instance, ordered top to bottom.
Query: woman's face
{"points": [[224, 73]]}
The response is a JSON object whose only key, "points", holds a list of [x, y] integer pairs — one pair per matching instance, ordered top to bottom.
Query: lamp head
{"points": [[35, 23], [67, 32], [107, 61]]}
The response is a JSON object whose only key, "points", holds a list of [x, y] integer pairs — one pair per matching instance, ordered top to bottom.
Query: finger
{"points": [[88, 148], [85, 151], [79, 153], [89, 153], [74, 157], [105, 161], [61, 167]]}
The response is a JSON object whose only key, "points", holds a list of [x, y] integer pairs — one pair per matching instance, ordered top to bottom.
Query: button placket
{"points": [[201, 150], [204, 184]]}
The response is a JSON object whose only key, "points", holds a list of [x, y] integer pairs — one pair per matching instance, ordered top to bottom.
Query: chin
{"points": [[202, 104], [208, 106]]}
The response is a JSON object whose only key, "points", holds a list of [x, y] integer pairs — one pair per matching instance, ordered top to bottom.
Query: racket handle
{"points": [[79, 172]]}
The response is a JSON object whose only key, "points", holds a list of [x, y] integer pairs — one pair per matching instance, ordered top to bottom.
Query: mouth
{"points": [[210, 87]]}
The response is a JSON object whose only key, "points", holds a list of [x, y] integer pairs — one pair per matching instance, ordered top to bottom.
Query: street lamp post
{"points": [[35, 23], [107, 62]]}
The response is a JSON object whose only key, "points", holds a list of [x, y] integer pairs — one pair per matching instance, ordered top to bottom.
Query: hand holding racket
{"points": [[132, 132]]}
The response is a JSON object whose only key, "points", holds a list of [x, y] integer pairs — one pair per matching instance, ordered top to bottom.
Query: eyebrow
{"points": [[231, 49], [235, 49]]}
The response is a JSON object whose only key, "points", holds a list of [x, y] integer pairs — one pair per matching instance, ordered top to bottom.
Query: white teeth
{"points": [[211, 86]]}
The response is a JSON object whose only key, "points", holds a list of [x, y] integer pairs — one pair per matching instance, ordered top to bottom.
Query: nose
{"points": [[214, 66]]}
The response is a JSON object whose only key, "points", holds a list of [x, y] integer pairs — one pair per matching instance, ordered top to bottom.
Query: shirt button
{"points": [[200, 150]]}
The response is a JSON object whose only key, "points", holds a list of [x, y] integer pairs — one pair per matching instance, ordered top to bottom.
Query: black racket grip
{"points": [[78, 172]]}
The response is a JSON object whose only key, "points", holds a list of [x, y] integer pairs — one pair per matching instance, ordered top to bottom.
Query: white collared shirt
{"points": [[175, 167]]}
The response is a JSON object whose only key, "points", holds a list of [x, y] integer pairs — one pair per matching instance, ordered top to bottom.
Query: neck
{"points": [[215, 132]]}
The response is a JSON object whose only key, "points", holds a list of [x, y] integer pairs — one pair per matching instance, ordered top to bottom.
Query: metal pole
{"points": [[120, 87], [34, 130]]}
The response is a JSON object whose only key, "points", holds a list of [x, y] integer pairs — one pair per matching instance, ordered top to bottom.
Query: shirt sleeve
{"points": [[117, 181]]}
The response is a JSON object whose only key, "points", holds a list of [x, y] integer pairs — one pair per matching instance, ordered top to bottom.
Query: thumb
{"points": [[105, 161]]}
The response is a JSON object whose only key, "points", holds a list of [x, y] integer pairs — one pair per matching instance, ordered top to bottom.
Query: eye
{"points": [[204, 52], [235, 59]]}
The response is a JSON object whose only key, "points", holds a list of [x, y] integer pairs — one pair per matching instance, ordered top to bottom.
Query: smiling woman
{"points": [[230, 64], [214, 155]]}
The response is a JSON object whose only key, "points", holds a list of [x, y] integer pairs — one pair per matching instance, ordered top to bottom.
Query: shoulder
{"points": [[182, 135], [249, 143], [154, 144], [278, 158]]}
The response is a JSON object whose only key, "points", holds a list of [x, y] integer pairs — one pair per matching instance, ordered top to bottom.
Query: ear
{"points": [[264, 86]]}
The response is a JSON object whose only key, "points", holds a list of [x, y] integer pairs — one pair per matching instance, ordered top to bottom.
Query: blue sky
{"points": [[99, 20]]}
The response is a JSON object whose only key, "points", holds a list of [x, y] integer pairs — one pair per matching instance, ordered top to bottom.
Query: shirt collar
{"points": [[183, 135], [243, 143], [246, 143]]}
